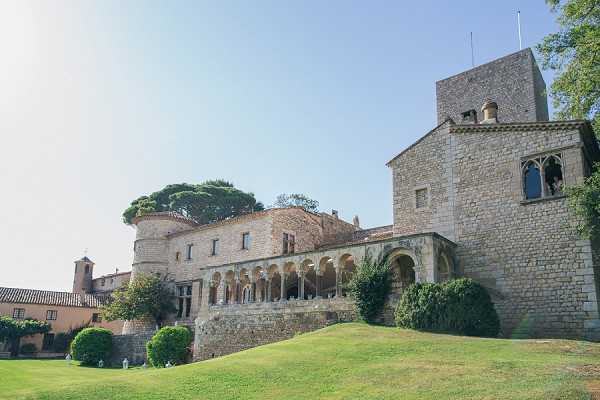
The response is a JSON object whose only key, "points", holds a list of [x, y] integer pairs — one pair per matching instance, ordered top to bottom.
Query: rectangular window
{"points": [[421, 198], [246, 241], [289, 243], [215, 247], [189, 252], [177, 256], [184, 301], [19, 313], [51, 315], [96, 317], [48, 341]]}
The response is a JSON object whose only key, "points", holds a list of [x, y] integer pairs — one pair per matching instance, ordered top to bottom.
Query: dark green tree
{"points": [[573, 54], [285, 200], [210, 201], [584, 201], [369, 287], [147, 297], [12, 330]]}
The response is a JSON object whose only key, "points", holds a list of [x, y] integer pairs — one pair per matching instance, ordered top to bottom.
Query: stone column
{"points": [[338, 282], [268, 284], [301, 285], [317, 285], [252, 291], [283, 291], [221, 292], [236, 295]]}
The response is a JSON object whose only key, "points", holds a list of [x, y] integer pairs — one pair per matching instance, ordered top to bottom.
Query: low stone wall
{"points": [[237, 327], [132, 347]]}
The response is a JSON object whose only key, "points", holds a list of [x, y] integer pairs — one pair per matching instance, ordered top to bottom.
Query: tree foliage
{"points": [[574, 54], [285, 200], [584, 201], [208, 202], [369, 287], [146, 297], [460, 306], [13, 330], [169, 344]]}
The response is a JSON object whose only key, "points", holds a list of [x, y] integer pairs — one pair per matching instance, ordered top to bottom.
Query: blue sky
{"points": [[104, 101]]}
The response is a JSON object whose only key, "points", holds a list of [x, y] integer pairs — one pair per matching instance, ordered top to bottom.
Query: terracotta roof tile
{"points": [[51, 298]]}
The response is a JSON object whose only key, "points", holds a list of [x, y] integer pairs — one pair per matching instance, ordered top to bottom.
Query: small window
{"points": [[469, 116], [421, 198], [246, 241], [286, 243], [292, 243], [215, 247], [188, 255], [177, 256], [87, 269], [19, 313], [51, 315], [96, 317], [48, 341]]}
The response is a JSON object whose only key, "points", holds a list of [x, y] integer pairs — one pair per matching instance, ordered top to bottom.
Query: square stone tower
{"points": [[513, 81]]}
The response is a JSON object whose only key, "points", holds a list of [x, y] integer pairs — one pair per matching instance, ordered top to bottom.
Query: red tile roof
{"points": [[51, 298]]}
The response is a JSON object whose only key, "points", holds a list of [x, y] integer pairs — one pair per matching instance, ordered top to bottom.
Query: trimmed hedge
{"points": [[460, 306], [169, 344], [92, 345], [28, 348]]}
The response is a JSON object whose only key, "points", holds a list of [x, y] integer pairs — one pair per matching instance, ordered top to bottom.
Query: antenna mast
{"points": [[519, 27], [472, 53]]}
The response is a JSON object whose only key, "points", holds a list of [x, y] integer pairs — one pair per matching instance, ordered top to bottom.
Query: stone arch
{"points": [[403, 267], [443, 268], [347, 269], [309, 270], [327, 277], [291, 280], [214, 283], [274, 283], [260, 284], [230, 286], [244, 295]]}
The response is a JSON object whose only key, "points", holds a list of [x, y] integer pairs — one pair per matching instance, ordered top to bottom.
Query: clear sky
{"points": [[101, 102]]}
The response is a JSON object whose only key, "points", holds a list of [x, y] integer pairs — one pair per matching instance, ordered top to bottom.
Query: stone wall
{"points": [[513, 81], [234, 328], [132, 347]]}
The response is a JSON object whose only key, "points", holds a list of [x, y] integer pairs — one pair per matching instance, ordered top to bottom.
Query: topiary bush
{"points": [[369, 287], [460, 306], [170, 343], [92, 345], [28, 349]]}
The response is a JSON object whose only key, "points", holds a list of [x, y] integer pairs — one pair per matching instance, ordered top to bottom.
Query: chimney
{"points": [[490, 112], [334, 213], [356, 222]]}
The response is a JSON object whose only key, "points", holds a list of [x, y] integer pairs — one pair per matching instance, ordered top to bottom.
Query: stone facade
{"points": [[476, 197]]}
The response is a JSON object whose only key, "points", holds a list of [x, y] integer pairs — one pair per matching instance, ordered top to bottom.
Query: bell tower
{"points": [[82, 278]]}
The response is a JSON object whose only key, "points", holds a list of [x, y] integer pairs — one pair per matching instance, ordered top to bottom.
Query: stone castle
{"points": [[480, 195]]}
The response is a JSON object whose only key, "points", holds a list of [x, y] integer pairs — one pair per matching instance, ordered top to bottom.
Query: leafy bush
{"points": [[369, 287], [461, 306], [170, 343], [92, 345], [28, 348]]}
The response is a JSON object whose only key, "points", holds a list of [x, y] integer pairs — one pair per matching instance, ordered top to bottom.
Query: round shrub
{"points": [[369, 287], [460, 306], [170, 343], [92, 345], [28, 349]]}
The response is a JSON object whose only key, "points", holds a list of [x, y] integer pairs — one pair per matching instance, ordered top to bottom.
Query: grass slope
{"points": [[348, 361]]}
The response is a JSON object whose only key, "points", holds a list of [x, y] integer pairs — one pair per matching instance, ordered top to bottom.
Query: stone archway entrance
{"points": [[403, 273]]}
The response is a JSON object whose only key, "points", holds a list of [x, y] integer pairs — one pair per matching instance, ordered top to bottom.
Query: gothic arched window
{"points": [[542, 176]]}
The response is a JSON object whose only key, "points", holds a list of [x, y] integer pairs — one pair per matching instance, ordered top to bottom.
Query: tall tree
{"points": [[574, 54], [296, 200], [210, 201], [147, 297], [13, 330]]}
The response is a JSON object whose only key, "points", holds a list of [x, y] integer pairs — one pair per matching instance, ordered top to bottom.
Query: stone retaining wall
{"points": [[233, 328], [131, 346]]}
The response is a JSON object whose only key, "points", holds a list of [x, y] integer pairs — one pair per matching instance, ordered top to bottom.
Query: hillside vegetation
{"points": [[347, 361]]}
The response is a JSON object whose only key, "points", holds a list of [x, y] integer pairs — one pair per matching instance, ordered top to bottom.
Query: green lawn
{"points": [[346, 361]]}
